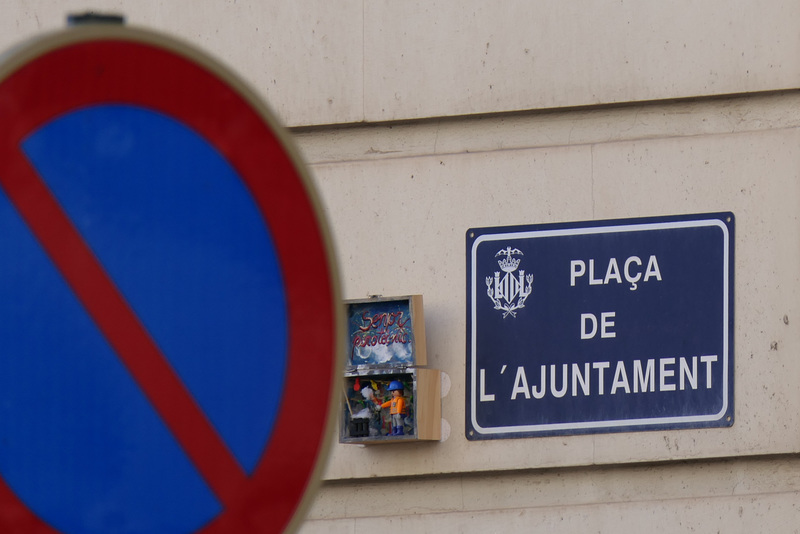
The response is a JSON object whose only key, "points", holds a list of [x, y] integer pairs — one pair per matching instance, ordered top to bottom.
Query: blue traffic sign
{"points": [[163, 260], [600, 326]]}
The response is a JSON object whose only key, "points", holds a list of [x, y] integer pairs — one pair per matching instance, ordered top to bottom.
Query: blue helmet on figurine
{"points": [[395, 386], [397, 407]]}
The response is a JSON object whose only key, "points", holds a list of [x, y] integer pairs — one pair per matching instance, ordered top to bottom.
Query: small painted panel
{"points": [[380, 332]]}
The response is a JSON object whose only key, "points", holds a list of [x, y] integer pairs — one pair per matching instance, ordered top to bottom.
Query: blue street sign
{"points": [[600, 326]]}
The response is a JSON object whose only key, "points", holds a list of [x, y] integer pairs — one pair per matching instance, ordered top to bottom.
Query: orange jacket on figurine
{"points": [[398, 405]]}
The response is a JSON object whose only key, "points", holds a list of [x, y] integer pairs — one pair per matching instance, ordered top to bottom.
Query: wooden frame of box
{"points": [[386, 345]]}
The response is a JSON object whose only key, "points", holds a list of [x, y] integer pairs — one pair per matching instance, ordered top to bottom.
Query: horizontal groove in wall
{"points": [[550, 128]]}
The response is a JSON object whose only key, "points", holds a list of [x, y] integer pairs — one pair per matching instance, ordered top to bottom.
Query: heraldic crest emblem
{"points": [[509, 292]]}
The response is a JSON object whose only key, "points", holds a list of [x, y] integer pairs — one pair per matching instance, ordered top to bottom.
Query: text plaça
{"points": [[631, 271], [648, 377]]}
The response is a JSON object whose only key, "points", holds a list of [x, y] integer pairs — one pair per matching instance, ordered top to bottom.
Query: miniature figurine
{"points": [[397, 407]]}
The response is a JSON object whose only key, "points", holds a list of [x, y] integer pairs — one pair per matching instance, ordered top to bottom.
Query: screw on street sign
{"points": [[170, 302], [600, 326]]}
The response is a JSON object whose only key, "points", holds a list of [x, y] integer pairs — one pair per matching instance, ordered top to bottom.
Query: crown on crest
{"points": [[508, 264]]}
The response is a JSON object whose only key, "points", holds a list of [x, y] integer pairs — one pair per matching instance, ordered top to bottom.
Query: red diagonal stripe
{"points": [[122, 329]]}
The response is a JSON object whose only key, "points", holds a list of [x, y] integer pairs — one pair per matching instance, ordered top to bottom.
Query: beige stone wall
{"points": [[322, 62], [422, 119], [443, 176], [419, 187], [730, 496]]}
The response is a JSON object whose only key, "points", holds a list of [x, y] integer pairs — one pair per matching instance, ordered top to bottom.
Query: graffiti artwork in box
{"points": [[381, 332]]}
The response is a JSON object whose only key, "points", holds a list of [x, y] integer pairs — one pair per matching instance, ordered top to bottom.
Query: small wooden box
{"points": [[386, 344]]}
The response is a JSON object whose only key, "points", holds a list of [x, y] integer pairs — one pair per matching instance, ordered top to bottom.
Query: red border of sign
{"points": [[133, 70]]}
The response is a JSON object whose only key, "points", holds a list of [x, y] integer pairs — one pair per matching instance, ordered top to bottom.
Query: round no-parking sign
{"points": [[169, 305]]}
